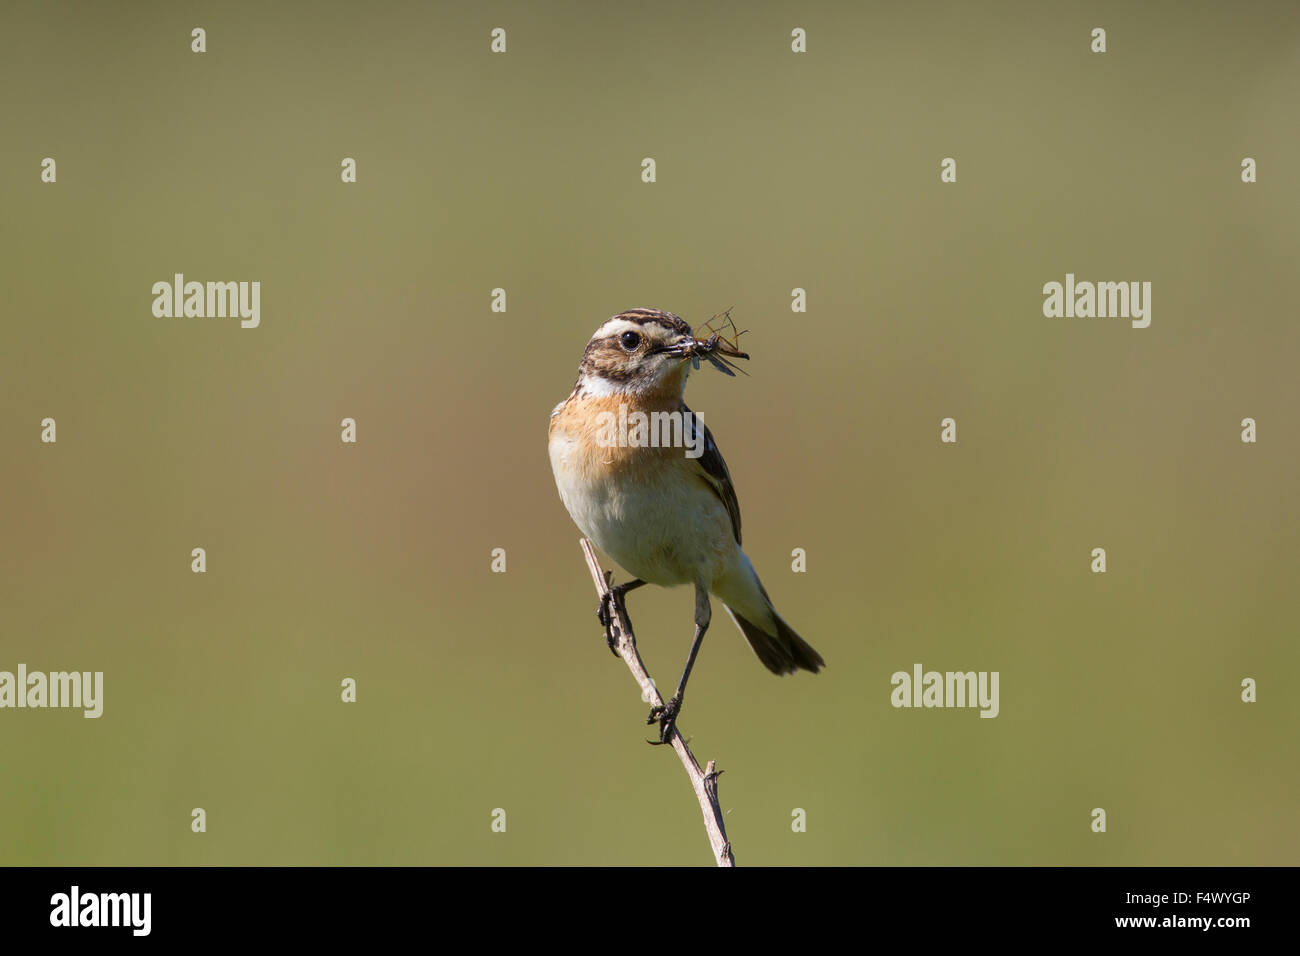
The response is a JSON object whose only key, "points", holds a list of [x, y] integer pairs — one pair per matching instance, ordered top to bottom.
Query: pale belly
{"points": [[657, 523]]}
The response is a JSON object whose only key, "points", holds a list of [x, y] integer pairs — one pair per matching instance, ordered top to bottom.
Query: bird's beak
{"points": [[683, 348], [689, 348]]}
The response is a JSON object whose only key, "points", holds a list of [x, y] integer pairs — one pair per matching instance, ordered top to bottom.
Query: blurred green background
{"points": [[475, 171]]}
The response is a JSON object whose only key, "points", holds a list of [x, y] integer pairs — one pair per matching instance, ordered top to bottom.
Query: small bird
{"points": [[665, 510]]}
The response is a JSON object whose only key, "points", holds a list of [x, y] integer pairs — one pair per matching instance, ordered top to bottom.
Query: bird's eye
{"points": [[630, 340]]}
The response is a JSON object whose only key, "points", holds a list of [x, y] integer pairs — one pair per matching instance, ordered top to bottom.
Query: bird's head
{"points": [[647, 351]]}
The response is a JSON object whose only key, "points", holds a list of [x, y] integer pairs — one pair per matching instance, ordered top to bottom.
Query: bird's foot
{"points": [[612, 603], [609, 620], [666, 714]]}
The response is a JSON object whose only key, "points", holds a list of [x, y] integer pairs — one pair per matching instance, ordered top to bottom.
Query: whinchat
{"points": [[664, 510]]}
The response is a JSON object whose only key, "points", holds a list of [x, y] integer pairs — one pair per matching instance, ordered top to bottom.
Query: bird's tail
{"points": [[781, 650]]}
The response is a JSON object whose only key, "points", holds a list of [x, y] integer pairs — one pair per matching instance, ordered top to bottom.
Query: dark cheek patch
{"points": [[608, 360]]}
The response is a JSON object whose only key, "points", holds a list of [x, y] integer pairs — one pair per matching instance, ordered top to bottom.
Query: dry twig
{"points": [[704, 782]]}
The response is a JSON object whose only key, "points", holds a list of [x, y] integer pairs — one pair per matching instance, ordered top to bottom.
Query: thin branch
{"points": [[704, 782]]}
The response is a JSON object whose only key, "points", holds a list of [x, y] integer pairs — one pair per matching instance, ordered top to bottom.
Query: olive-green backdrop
{"points": [[775, 170]]}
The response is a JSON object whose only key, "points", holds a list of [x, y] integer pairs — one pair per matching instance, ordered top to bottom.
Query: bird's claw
{"points": [[605, 614], [666, 715]]}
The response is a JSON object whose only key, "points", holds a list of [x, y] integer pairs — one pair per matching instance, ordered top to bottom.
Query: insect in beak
{"points": [[718, 347], [715, 349]]}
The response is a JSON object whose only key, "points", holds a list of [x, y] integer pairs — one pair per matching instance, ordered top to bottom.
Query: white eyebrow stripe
{"points": [[618, 326]]}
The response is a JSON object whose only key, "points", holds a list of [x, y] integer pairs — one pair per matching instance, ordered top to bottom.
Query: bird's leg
{"points": [[611, 602], [667, 713]]}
